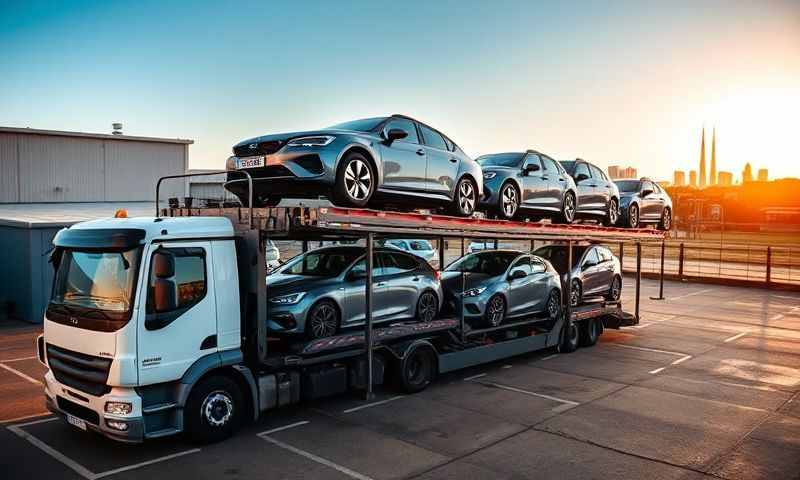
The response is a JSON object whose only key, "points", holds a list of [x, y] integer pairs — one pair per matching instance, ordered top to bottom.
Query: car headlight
{"points": [[318, 141], [230, 163], [489, 175], [474, 292], [290, 299], [119, 408]]}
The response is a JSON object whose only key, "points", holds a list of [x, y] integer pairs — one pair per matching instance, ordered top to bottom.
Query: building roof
{"points": [[99, 136], [56, 215]]}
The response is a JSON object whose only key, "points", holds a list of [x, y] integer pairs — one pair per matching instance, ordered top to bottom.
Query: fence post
{"points": [[621, 255], [680, 262], [769, 266], [661, 274], [638, 277]]}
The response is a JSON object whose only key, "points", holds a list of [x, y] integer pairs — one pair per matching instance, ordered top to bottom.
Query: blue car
{"points": [[378, 161], [502, 284]]}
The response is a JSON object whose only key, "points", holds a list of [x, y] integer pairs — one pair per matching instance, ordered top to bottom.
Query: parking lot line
{"points": [[699, 292], [735, 337], [655, 350], [548, 357], [19, 359], [681, 360], [657, 370], [18, 373], [474, 377], [567, 403], [373, 404], [26, 417], [33, 422], [285, 427], [323, 461], [72, 464], [144, 464]]}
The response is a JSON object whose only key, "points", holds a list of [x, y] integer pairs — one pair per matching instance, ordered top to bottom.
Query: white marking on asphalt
{"points": [[699, 292], [788, 297], [776, 317], [641, 325], [735, 337], [655, 350], [549, 357], [19, 359], [681, 360], [506, 367], [657, 370], [17, 372], [474, 377], [570, 403], [373, 404], [27, 417], [34, 422], [285, 427], [318, 459], [144, 464], [75, 466]]}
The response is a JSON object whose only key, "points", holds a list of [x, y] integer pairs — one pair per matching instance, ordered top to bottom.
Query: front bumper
{"points": [[294, 172], [491, 194], [474, 307], [91, 409]]}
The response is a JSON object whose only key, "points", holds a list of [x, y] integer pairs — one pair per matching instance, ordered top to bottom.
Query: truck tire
{"points": [[590, 332], [570, 338], [417, 369], [214, 410]]}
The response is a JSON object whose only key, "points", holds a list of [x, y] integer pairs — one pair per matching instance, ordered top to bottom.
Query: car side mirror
{"points": [[395, 134], [530, 168], [581, 177], [517, 274]]}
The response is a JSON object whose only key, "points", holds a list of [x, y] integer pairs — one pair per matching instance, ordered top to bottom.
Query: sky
{"points": [[613, 82]]}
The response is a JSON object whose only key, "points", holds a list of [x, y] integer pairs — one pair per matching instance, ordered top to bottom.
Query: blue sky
{"points": [[615, 82]]}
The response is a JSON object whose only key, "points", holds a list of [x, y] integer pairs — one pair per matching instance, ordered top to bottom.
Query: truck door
{"points": [[178, 323]]}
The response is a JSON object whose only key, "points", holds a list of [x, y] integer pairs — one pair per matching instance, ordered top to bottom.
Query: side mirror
{"points": [[395, 134], [531, 167], [581, 177], [163, 265], [517, 274], [164, 296]]}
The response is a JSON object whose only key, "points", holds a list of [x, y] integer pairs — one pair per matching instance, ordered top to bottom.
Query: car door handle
{"points": [[420, 152], [454, 160], [545, 177], [561, 179], [593, 186], [415, 279], [381, 284]]}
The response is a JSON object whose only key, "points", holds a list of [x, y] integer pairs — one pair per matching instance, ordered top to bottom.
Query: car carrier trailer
{"points": [[155, 375]]}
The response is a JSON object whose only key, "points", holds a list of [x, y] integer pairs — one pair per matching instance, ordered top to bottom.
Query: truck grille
{"points": [[262, 148], [79, 371]]}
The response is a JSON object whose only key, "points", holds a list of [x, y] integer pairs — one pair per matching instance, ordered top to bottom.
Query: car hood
{"points": [[290, 135], [500, 170], [451, 281], [281, 284]]}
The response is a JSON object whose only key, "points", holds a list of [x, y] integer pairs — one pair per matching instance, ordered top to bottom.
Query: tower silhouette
{"points": [[702, 172], [712, 180]]}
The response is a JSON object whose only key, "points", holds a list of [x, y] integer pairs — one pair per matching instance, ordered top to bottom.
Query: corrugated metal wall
{"points": [[44, 168]]}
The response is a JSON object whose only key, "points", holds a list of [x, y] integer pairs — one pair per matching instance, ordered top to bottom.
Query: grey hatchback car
{"points": [[595, 271], [502, 284], [321, 291]]}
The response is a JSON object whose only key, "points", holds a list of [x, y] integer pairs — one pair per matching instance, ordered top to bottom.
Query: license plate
{"points": [[251, 162], [76, 422]]}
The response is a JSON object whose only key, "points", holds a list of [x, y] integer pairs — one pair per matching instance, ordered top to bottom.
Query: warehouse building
{"points": [[53, 179]]}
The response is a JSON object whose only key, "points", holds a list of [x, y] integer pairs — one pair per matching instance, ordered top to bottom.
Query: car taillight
{"points": [[437, 274]]}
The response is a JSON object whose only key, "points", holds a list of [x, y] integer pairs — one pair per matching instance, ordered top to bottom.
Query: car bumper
{"points": [[298, 172], [491, 195], [473, 307], [287, 319], [65, 401]]}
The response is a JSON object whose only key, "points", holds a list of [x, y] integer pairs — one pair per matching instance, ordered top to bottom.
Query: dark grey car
{"points": [[392, 160], [598, 197], [644, 201], [595, 271], [501, 284], [323, 290]]}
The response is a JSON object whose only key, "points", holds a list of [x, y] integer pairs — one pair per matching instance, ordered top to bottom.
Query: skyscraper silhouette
{"points": [[702, 179], [712, 180]]}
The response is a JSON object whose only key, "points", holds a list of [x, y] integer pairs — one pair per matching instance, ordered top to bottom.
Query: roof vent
{"points": [[116, 129]]}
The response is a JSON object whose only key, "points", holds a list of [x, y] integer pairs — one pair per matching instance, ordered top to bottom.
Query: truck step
{"points": [[159, 407], [163, 433]]}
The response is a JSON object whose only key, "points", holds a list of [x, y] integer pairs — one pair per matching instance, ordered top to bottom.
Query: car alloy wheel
{"points": [[357, 179], [466, 197], [509, 201], [569, 208], [613, 213], [633, 216], [666, 219], [616, 289], [575, 294], [554, 305], [428, 306], [496, 310], [323, 321], [217, 408]]}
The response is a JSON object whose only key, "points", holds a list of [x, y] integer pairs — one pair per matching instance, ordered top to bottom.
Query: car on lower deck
{"points": [[380, 161], [527, 184], [598, 197], [643, 201], [418, 247], [596, 271], [496, 285], [320, 292]]}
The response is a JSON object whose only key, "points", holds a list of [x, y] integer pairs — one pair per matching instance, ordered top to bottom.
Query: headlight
{"points": [[319, 141], [230, 164], [489, 175], [474, 292], [290, 299], [119, 408]]}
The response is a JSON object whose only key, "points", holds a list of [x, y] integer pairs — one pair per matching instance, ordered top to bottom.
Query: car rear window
{"points": [[432, 138]]}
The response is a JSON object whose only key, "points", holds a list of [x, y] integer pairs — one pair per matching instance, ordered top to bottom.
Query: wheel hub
{"points": [[357, 179], [466, 197], [509, 201], [217, 408]]}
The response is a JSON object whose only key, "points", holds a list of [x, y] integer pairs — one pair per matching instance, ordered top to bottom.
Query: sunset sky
{"points": [[615, 82]]}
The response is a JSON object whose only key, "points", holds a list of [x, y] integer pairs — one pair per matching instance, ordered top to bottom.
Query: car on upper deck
{"points": [[376, 162], [598, 197], [643, 201]]}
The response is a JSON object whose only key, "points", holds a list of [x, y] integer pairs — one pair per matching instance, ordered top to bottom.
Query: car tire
{"points": [[355, 181], [465, 198], [508, 202], [569, 207], [612, 216], [633, 216], [666, 220], [615, 290], [575, 293], [427, 306], [553, 307], [495, 311], [322, 320], [590, 332], [570, 337], [417, 369], [213, 410]]}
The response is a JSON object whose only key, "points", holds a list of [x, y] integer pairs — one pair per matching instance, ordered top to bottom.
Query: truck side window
{"points": [[189, 277]]}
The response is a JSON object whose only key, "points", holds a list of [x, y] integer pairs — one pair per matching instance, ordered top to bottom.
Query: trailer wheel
{"points": [[590, 332], [570, 338], [417, 370], [214, 409]]}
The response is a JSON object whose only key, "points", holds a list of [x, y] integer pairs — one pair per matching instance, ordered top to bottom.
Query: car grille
{"points": [[262, 148], [79, 371], [78, 410]]}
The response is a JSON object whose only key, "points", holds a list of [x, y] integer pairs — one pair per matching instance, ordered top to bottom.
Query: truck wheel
{"points": [[590, 332], [570, 337], [417, 370], [213, 410]]}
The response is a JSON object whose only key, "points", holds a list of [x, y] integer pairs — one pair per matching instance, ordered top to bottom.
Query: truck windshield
{"points": [[491, 263], [95, 286]]}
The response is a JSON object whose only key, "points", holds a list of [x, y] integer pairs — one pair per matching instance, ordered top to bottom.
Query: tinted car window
{"points": [[406, 126], [432, 138], [532, 159], [500, 160], [549, 164], [582, 168], [597, 173], [628, 185], [648, 186], [421, 245], [604, 254], [591, 257], [328, 263], [393, 263], [489, 263], [523, 264], [537, 266], [360, 268]]}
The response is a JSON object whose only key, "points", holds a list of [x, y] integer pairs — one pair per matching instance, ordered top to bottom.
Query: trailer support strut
{"points": [[368, 314]]}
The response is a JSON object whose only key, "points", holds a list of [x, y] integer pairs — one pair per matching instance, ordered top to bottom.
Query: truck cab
{"points": [[141, 310]]}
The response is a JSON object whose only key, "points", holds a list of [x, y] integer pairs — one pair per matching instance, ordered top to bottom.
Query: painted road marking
{"points": [[699, 292], [776, 317], [735, 337], [655, 350], [548, 357], [19, 359], [681, 360], [506, 367], [657, 370], [18, 373], [474, 377], [373, 404], [567, 404], [27, 417], [34, 422], [285, 427], [144, 464]]}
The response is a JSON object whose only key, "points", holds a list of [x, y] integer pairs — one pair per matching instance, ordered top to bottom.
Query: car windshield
{"points": [[362, 125], [500, 160], [628, 185], [420, 245], [558, 256], [322, 263], [490, 263], [96, 280]]}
